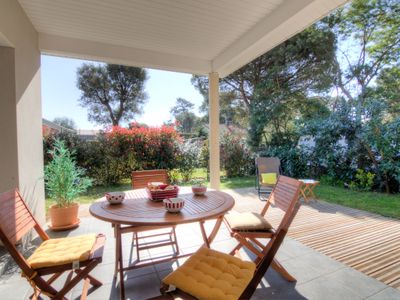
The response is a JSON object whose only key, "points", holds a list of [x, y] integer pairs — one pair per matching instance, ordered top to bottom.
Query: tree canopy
{"points": [[368, 44], [272, 89], [111, 93], [184, 115], [65, 122]]}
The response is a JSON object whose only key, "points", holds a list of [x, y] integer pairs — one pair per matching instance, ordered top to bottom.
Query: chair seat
{"points": [[248, 221], [55, 252], [209, 274]]}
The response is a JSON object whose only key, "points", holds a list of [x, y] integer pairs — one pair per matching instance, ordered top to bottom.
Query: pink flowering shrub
{"points": [[146, 147], [114, 154]]}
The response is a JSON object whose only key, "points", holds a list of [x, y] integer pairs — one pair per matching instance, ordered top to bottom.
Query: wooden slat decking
{"points": [[364, 241]]}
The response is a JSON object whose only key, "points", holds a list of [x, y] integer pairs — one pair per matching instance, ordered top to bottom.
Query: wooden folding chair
{"points": [[266, 165], [140, 179], [247, 228], [78, 255], [210, 274]]}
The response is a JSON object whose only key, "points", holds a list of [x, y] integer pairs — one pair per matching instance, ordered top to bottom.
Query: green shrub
{"points": [[113, 155], [236, 158], [188, 159], [64, 179], [364, 181]]}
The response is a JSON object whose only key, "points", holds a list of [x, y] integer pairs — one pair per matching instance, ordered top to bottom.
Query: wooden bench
{"points": [[140, 179]]}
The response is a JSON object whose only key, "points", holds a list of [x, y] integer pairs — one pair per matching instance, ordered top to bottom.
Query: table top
{"points": [[309, 181], [138, 210]]}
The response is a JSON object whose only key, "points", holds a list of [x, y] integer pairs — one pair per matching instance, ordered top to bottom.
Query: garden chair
{"points": [[267, 171], [140, 179], [248, 227], [78, 255], [209, 274]]}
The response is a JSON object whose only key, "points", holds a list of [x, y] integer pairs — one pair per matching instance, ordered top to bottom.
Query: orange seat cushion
{"points": [[55, 252], [209, 274]]}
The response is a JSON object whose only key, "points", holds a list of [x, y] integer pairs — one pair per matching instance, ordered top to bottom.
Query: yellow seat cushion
{"points": [[268, 178], [247, 221], [55, 252], [209, 274]]}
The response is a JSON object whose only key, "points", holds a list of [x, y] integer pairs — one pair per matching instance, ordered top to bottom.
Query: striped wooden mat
{"points": [[364, 241]]}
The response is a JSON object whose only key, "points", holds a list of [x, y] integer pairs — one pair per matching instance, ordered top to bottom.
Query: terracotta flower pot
{"points": [[63, 218]]}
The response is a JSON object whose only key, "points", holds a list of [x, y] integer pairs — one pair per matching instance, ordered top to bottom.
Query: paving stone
{"points": [[359, 283], [322, 288], [387, 294]]}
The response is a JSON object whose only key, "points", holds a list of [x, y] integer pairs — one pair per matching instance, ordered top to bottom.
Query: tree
{"points": [[369, 42], [366, 69], [286, 76], [112, 93], [231, 112], [183, 114], [65, 122]]}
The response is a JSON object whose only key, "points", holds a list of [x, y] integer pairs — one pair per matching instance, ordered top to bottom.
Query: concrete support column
{"points": [[8, 121], [213, 136], [21, 146]]}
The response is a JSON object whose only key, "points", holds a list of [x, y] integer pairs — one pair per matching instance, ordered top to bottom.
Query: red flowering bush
{"points": [[146, 147], [119, 151]]}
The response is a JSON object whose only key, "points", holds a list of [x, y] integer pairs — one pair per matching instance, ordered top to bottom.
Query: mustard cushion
{"points": [[268, 178], [247, 221], [55, 252], [209, 274]]}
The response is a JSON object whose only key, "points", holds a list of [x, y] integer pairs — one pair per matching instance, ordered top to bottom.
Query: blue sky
{"points": [[60, 94]]}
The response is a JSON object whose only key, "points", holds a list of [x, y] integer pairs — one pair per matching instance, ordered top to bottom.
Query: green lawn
{"points": [[385, 205]]}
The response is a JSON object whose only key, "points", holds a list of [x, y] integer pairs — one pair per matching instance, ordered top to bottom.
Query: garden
{"points": [[115, 153]]}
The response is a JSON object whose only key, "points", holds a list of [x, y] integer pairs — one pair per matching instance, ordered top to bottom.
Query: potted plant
{"points": [[64, 182], [199, 188]]}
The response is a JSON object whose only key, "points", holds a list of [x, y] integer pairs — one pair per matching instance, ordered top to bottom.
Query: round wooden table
{"points": [[138, 211]]}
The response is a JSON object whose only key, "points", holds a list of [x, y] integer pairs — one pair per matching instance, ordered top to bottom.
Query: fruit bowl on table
{"points": [[199, 190], [162, 191], [115, 197], [174, 205]]}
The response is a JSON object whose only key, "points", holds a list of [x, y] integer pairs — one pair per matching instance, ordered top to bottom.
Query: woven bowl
{"points": [[160, 195]]}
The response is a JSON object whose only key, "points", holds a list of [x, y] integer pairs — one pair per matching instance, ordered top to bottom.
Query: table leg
{"points": [[303, 190], [312, 191], [215, 230], [204, 234], [208, 239], [117, 246], [120, 261]]}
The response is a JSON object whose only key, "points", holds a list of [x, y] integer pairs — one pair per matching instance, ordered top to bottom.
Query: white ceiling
{"points": [[195, 36]]}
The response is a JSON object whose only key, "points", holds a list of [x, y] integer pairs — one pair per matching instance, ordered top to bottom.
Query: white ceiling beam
{"points": [[289, 19], [89, 50]]}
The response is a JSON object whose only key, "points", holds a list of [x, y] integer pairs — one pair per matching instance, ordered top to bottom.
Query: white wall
{"points": [[21, 153]]}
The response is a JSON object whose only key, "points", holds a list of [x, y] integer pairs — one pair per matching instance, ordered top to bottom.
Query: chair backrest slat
{"points": [[268, 165], [140, 179], [284, 192], [15, 218], [15, 221]]}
